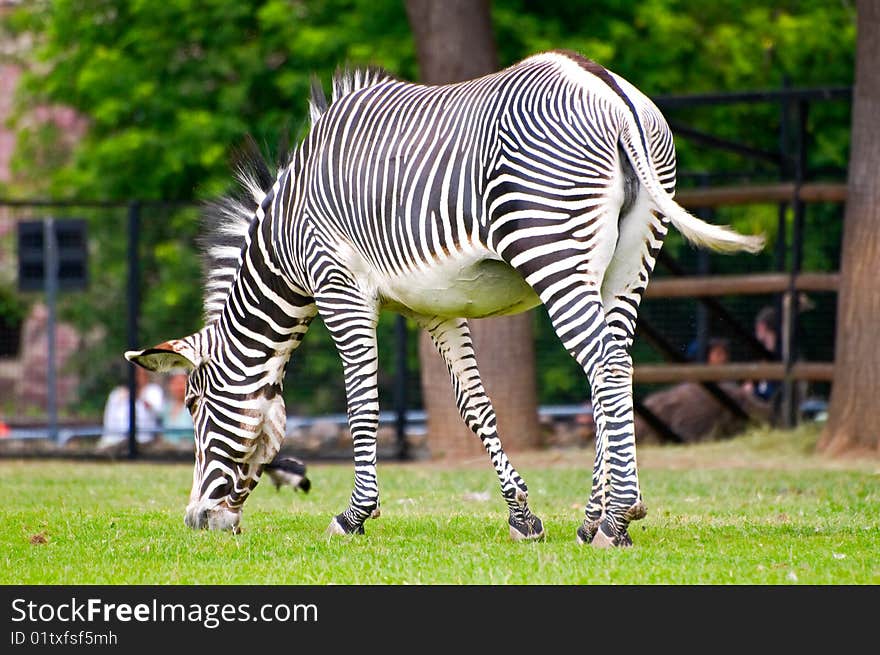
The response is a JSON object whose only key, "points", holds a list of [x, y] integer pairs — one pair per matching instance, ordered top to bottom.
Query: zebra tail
{"points": [[720, 238]]}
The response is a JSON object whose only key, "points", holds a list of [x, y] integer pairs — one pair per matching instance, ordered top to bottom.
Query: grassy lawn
{"points": [[759, 509]]}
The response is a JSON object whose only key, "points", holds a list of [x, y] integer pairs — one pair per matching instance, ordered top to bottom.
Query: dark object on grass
{"points": [[290, 472]]}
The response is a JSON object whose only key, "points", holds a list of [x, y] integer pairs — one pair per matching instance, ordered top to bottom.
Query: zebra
{"points": [[547, 183], [288, 472]]}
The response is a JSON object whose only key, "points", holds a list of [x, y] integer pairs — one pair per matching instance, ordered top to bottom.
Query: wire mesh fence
{"points": [[144, 287]]}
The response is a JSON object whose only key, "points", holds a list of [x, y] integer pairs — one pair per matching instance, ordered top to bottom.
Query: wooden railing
{"points": [[761, 194], [730, 285], [707, 287], [664, 373]]}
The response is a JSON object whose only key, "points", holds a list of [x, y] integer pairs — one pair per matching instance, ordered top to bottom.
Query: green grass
{"points": [[759, 510]]}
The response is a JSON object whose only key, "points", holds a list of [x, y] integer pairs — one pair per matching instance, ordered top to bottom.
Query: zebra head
{"points": [[239, 427]]}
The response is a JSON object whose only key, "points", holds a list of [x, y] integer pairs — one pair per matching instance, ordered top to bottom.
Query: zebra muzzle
{"points": [[213, 518]]}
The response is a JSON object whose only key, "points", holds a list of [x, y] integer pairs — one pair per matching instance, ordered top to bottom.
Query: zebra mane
{"points": [[345, 81], [227, 220], [225, 224]]}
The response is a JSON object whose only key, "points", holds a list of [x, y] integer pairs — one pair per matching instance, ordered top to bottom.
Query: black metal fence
{"points": [[159, 251]]}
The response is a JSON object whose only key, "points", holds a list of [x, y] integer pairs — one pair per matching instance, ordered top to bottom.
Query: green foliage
{"points": [[690, 46], [169, 88], [12, 307], [13, 310], [758, 510]]}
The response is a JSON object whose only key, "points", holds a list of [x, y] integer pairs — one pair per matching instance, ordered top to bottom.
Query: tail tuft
{"points": [[720, 238], [290, 472]]}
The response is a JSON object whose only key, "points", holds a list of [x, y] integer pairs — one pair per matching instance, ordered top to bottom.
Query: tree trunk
{"points": [[454, 42], [853, 413]]}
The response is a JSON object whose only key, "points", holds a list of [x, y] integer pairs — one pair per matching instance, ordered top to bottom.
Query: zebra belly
{"points": [[487, 287]]}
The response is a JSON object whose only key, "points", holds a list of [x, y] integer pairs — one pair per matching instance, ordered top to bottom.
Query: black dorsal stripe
{"points": [[602, 73]]}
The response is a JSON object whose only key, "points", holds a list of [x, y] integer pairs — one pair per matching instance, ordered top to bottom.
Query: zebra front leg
{"points": [[351, 321], [453, 340]]}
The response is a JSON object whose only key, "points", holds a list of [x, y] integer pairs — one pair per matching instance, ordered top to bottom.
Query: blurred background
{"points": [[124, 115]]}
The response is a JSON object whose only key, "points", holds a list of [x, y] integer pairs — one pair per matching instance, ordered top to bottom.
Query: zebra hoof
{"points": [[636, 512], [341, 526], [529, 529], [586, 532], [604, 540]]}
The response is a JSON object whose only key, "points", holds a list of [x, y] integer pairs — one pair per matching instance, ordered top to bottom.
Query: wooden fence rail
{"points": [[757, 194], [723, 285], [707, 287], [665, 373]]}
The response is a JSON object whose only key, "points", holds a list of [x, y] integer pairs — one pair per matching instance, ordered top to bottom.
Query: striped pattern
{"points": [[549, 183]]}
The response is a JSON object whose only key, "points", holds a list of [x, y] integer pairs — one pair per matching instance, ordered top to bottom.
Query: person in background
{"points": [[766, 331], [718, 351], [148, 409], [693, 413], [177, 425]]}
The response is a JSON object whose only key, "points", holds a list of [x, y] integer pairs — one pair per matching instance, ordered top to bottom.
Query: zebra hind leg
{"points": [[641, 235], [578, 316], [452, 339], [611, 381], [594, 513], [523, 525], [600, 532]]}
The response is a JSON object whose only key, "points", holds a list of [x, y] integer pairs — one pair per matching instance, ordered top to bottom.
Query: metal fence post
{"points": [[784, 264], [50, 281], [133, 310], [704, 327], [789, 346], [400, 382]]}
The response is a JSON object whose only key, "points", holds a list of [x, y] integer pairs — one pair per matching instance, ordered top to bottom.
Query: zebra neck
{"points": [[263, 321]]}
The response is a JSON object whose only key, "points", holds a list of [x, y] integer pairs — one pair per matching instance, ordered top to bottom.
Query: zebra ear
{"points": [[166, 356]]}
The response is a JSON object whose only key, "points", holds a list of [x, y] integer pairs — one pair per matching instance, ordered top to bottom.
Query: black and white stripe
{"points": [[549, 182]]}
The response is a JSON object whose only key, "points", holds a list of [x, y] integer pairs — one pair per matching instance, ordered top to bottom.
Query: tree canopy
{"points": [[168, 88]]}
